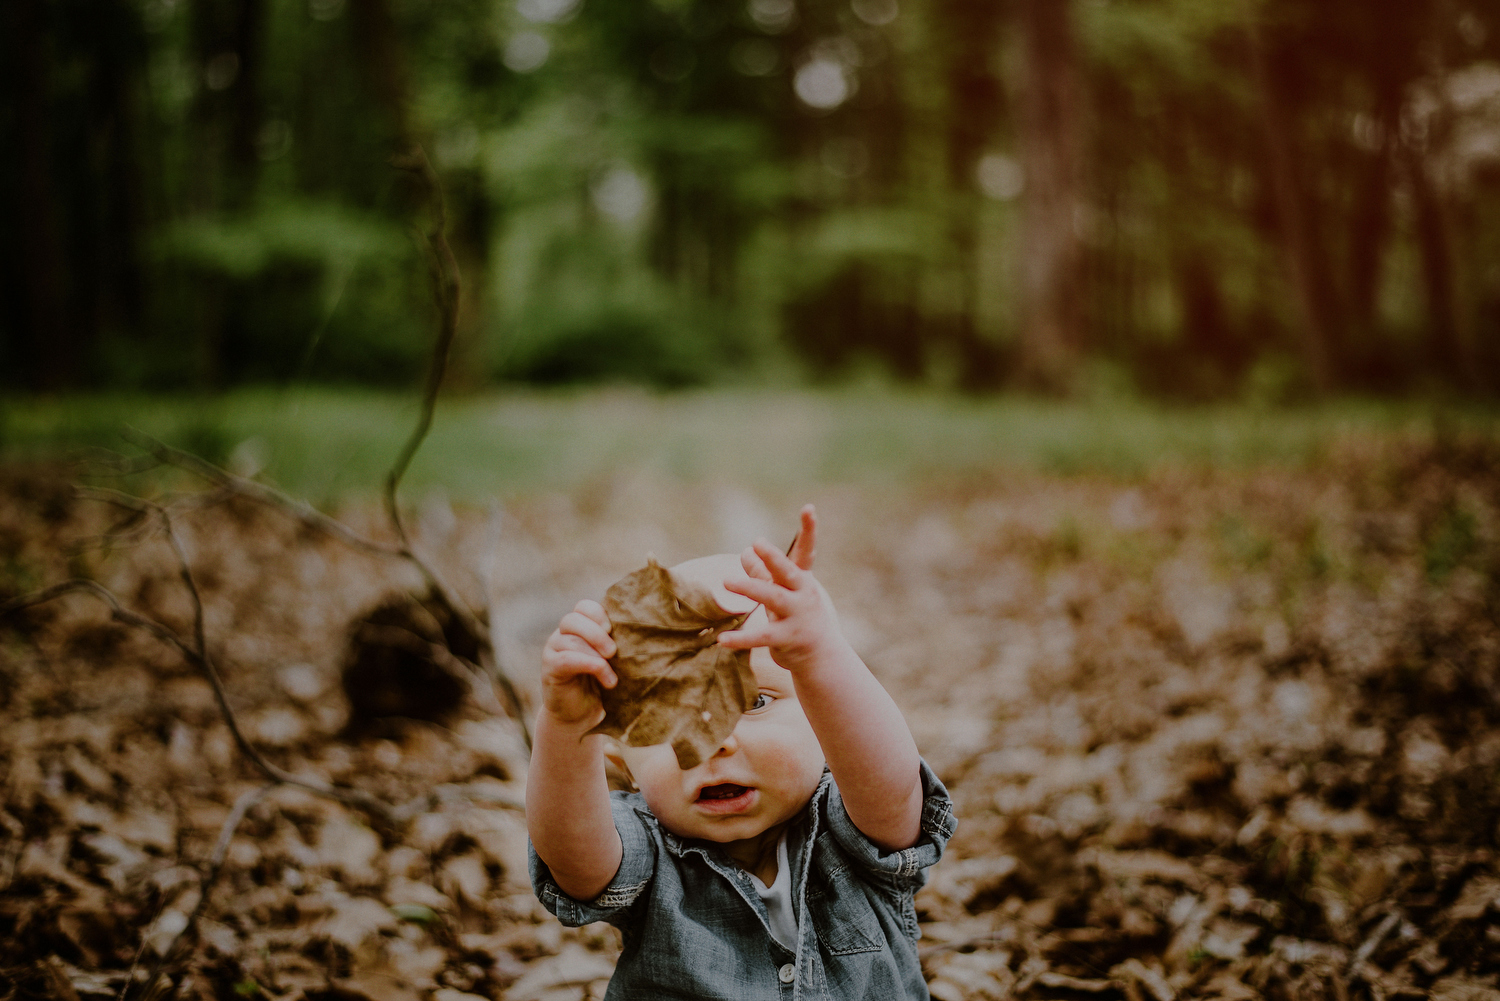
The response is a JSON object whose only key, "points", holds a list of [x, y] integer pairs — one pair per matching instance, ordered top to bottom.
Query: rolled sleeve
{"points": [[908, 865], [637, 866]]}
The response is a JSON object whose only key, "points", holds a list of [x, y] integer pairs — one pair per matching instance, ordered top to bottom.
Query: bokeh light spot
{"points": [[546, 11], [526, 51], [822, 84], [1000, 177], [620, 194]]}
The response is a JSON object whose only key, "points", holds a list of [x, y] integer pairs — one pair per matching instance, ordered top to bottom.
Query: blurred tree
{"points": [[1050, 119], [1216, 198]]}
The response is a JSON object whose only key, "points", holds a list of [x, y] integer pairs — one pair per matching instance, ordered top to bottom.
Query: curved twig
{"points": [[446, 288], [270, 496]]}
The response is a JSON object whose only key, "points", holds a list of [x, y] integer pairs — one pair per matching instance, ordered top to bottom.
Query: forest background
{"points": [[1194, 199], [1141, 356]]}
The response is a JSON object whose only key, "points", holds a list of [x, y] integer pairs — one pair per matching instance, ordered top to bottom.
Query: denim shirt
{"points": [[695, 928]]}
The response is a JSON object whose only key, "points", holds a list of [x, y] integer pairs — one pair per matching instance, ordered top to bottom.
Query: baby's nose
{"points": [[729, 746]]}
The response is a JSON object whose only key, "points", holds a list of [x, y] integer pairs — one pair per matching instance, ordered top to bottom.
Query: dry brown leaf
{"points": [[677, 685], [574, 965], [1065, 982], [1460, 988]]}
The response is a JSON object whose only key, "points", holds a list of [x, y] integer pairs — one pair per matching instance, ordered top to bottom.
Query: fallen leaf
{"points": [[677, 685], [352, 849], [464, 876], [1481, 894], [356, 919], [415, 964], [966, 976], [1065, 982], [1464, 989]]}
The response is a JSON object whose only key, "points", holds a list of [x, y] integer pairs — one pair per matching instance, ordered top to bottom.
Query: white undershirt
{"points": [[778, 899]]}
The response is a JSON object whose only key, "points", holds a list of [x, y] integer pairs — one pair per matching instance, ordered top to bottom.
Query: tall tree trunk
{"points": [[970, 31], [382, 63], [115, 93], [245, 122], [1051, 147], [1370, 223], [1437, 229], [1306, 269], [1440, 279], [49, 348]]}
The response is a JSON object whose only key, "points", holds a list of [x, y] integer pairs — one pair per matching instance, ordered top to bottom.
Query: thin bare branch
{"points": [[446, 282], [446, 285], [446, 288], [103, 462], [270, 496], [119, 498], [171, 502], [313, 518], [136, 526], [185, 570], [117, 611], [494, 666], [352, 797]]}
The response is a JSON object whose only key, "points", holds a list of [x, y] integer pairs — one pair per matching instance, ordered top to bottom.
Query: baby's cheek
{"points": [[800, 754]]}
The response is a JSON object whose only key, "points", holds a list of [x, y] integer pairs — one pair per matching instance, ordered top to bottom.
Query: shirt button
{"points": [[787, 973]]}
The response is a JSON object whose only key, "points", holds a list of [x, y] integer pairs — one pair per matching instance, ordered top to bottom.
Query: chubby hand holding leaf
{"points": [[662, 661], [574, 665], [677, 685]]}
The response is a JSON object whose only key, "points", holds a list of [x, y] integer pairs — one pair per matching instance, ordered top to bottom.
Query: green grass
{"points": [[326, 444]]}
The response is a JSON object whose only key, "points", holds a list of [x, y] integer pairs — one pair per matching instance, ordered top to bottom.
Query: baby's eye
{"points": [[762, 700]]}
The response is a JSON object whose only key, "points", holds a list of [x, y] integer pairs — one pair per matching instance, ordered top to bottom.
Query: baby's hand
{"points": [[802, 629], [574, 659]]}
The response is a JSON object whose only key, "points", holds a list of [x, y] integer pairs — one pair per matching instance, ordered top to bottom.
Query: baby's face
{"points": [[765, 771], [763, 774]]}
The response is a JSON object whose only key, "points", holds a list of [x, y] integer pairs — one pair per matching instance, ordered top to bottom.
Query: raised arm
{"points": [[864, 737], [567, 796]]}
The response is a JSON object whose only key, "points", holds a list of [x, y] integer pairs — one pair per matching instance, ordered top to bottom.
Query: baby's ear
{"points": [[616, 771]]}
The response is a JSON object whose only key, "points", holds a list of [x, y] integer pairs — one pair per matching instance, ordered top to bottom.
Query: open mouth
{"points": [[725, 790], [725, 799]]}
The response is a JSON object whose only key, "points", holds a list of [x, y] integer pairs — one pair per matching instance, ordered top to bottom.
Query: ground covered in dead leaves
{"points": [[1211, 735]]}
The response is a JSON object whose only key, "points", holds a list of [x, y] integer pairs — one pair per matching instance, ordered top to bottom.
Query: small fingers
{"points": [[805, 543], [754, 566], [783, 570], [775, 597], [595, 611], [579, 623], [745, 639], [566, 665]]}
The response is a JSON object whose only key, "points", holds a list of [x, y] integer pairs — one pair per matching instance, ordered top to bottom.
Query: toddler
{"points": [[782, 866]]}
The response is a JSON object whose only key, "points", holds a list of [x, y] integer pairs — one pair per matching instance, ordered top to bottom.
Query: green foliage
{"points": [[652, 191], [330, 444]]}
